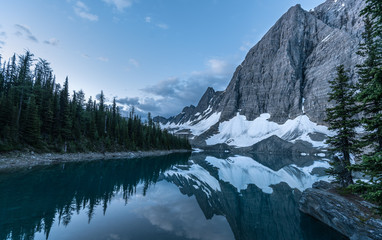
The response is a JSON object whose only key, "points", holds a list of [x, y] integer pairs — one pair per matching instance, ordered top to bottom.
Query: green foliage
{"points": [[370, 82], [370, 97], [37, 113], [341, 119], [31, 128], [371, 166]]}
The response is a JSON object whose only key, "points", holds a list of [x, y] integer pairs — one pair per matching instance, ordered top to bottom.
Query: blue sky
{"points": [[158, 55]]}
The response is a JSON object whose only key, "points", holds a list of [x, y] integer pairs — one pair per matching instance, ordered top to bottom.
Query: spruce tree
{"points": [[23, 84], [370, 94], [370, 97], [37, 112], [101, 115], [65, 117], [114, 119], [341, 119], [31, 128]]}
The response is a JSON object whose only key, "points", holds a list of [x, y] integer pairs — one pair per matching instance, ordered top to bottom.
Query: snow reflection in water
{"points": [[173, 197]]}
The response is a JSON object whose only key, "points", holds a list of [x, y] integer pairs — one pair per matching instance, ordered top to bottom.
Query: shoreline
{"points": [[23, 160]]}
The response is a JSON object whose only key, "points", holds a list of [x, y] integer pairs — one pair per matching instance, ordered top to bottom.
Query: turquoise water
{"points": [[180, 196]]}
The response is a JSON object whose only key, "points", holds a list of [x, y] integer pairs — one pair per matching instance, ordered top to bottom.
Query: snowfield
{"points": [[197, 128], [240, 132]]}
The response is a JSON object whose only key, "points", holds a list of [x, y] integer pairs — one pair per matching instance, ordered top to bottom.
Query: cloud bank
{"points": [[120, 5], [82, 11], [169, 96]]}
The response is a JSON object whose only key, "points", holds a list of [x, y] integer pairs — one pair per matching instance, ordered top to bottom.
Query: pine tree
{"points": [[2, 80], [23, 84], [44, 85], [370, 96], [37, 112], [101, 115], [65, 117], [114, 119], [341, 119], [56, 127], [31, 129]]}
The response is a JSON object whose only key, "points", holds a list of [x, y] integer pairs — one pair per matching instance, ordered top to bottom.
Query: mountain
{"points": [[281, 86]]}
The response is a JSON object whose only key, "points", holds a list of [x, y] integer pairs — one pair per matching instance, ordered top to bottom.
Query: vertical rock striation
{"points": [[286, 73]]}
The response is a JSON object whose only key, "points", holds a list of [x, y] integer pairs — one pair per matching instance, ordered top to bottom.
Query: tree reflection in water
{"points": [[30, 199]]}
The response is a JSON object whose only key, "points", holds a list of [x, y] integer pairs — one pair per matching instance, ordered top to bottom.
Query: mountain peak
{"points": [[284, 76]]}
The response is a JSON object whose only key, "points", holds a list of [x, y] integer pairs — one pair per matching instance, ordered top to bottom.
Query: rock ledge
{"points": [[352, 217]]}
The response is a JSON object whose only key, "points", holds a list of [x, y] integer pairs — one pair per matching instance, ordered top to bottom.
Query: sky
{"points": [[156, 55]]}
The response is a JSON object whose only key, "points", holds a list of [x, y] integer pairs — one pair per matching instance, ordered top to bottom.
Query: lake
{"points": [[179, 196]]}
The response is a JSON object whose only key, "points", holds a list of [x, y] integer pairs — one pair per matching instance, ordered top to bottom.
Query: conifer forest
{"points": [[37, 113]]}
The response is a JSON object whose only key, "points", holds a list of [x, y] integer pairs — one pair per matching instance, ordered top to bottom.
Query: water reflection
{"points": [[236, 197], [30, 200], [258, 201]]}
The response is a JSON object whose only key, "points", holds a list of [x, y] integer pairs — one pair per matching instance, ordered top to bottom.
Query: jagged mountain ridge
{"points": [[284, 75]]}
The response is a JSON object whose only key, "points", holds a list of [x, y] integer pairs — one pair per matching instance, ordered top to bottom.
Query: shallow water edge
{"points": [[17, 160]]}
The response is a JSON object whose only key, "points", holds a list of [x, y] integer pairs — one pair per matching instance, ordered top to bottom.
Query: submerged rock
{"points": [[352, 217]]}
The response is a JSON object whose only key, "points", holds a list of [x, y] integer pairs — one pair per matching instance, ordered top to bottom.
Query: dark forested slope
{"points": [[38, 113]]}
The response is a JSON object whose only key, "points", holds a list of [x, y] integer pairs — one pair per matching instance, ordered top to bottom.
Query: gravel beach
{"points": [[17, 160]]}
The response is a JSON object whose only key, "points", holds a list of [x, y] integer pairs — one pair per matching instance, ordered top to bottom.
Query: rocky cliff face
{"points": [[286, 73]]}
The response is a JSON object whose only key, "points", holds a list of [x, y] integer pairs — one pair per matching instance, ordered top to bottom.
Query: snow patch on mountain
{"points": [[195, 127], [240, 132]]}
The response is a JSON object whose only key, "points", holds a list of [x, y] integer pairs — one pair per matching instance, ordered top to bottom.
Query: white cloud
{"points": [[120, 5], [81, 10], [159, 25], [162, 25], [52, 41], [103, 59], [133, 62], [217, 66], [174, 93], [169, 96], [170, 211], [113, 236]]}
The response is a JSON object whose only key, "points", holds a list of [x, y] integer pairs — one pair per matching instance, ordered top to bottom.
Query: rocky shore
{"points": [[17, 160], [350, 215]]}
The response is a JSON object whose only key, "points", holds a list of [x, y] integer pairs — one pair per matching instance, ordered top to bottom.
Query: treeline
{"points": [[365, 99], [39, 114]]}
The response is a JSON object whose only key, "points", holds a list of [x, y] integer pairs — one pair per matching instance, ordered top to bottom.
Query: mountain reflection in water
{"points": [[236, 197]]}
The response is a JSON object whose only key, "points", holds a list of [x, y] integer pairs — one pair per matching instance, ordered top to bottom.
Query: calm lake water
{"points": [[180, 196]]}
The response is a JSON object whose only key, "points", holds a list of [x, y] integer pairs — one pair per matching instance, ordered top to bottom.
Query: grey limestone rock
{"points": [[286, 73], [348, 217]]}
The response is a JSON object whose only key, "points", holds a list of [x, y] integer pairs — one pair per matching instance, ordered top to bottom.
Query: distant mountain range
{"points": [[281, 87]]}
